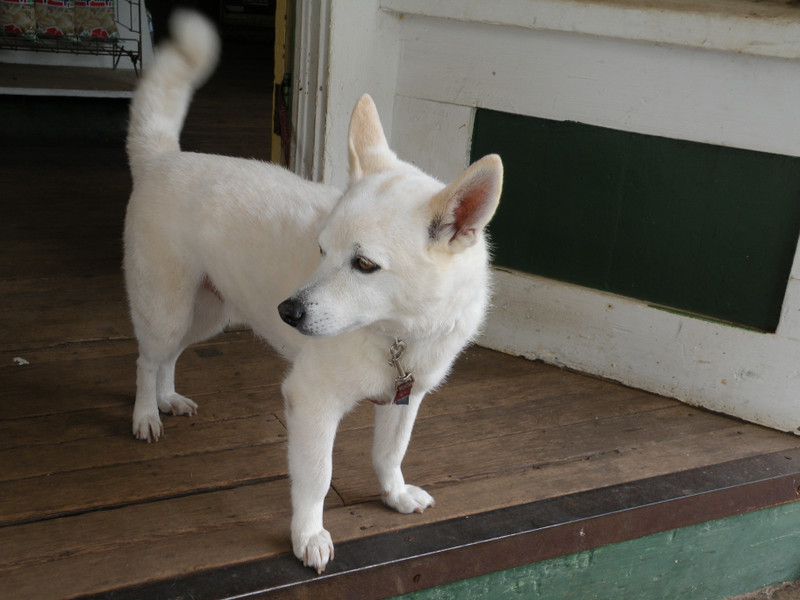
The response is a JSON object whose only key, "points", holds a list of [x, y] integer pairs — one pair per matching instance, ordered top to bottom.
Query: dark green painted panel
{"points": [[696, 227], [712, 561]]}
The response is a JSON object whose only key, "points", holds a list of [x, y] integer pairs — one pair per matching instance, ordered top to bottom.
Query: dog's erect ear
{"points": [[369, 151], [463, 208]]}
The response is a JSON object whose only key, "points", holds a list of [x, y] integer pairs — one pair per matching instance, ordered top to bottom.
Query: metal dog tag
{"points": [[404, 381], [403, 392]]}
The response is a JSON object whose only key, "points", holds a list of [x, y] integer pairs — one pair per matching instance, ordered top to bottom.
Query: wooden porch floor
{"points": [[530, 453]]}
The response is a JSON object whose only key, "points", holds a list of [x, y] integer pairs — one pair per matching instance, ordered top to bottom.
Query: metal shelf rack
{"points": [[126, 45]]}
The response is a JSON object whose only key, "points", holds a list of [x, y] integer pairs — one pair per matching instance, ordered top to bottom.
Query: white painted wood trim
{"points": [[748, 26], [362, 58], [310, 82], [722, 98], [427, 124], [789, 324], [747, 374]]}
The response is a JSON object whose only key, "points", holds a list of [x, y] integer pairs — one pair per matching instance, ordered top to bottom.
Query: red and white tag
{"points": [[403, 382], [403, 391]]}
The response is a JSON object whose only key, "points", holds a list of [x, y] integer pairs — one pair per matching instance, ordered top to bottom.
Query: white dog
{"points": [[386, 283]]}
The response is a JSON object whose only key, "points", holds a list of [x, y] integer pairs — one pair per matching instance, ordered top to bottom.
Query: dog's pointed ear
{"points": [[368, 149], [465, 207]]}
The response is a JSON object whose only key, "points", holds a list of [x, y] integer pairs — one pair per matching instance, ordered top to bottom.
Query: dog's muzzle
{"points": [[292, 311]]}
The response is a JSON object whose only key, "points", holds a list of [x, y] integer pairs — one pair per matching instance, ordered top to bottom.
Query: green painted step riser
{"points": [[712, 561]]}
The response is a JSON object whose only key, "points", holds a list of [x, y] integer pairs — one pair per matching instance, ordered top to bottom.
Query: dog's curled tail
{"points": [[159, 106]]}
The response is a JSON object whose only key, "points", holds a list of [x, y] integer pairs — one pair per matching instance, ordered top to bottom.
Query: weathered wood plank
{"points": [[212, 126], [65, 219], [31, 257], [50, 311], [65, 351], [82, 377], [484, 378], [114, 421], [83, 454], [437, 457], [119, 485], [490, 491], [108, 531], [155, 560]]}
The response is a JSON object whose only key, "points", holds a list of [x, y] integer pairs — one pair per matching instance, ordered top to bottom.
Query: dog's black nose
{"points": [[292, 311]]}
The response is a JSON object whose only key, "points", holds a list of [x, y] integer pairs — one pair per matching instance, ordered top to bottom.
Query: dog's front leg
{"points": [[311, 422], [393, 425]]}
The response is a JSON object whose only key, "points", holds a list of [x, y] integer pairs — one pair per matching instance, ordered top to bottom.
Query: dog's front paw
{"points": [[175, 404], [147, 427], [408, 499], [314, 550]]}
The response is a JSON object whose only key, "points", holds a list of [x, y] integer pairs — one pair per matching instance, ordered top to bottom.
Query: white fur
{"points": [[211, 239]]}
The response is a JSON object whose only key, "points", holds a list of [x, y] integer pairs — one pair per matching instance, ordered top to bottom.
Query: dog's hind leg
{"points": [[166, 318], [208, 319], [170, 401], [393, 425]]}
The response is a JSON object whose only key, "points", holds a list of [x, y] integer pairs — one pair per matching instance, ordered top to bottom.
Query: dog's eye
{"points": [[321, 251], [364, 265]]}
